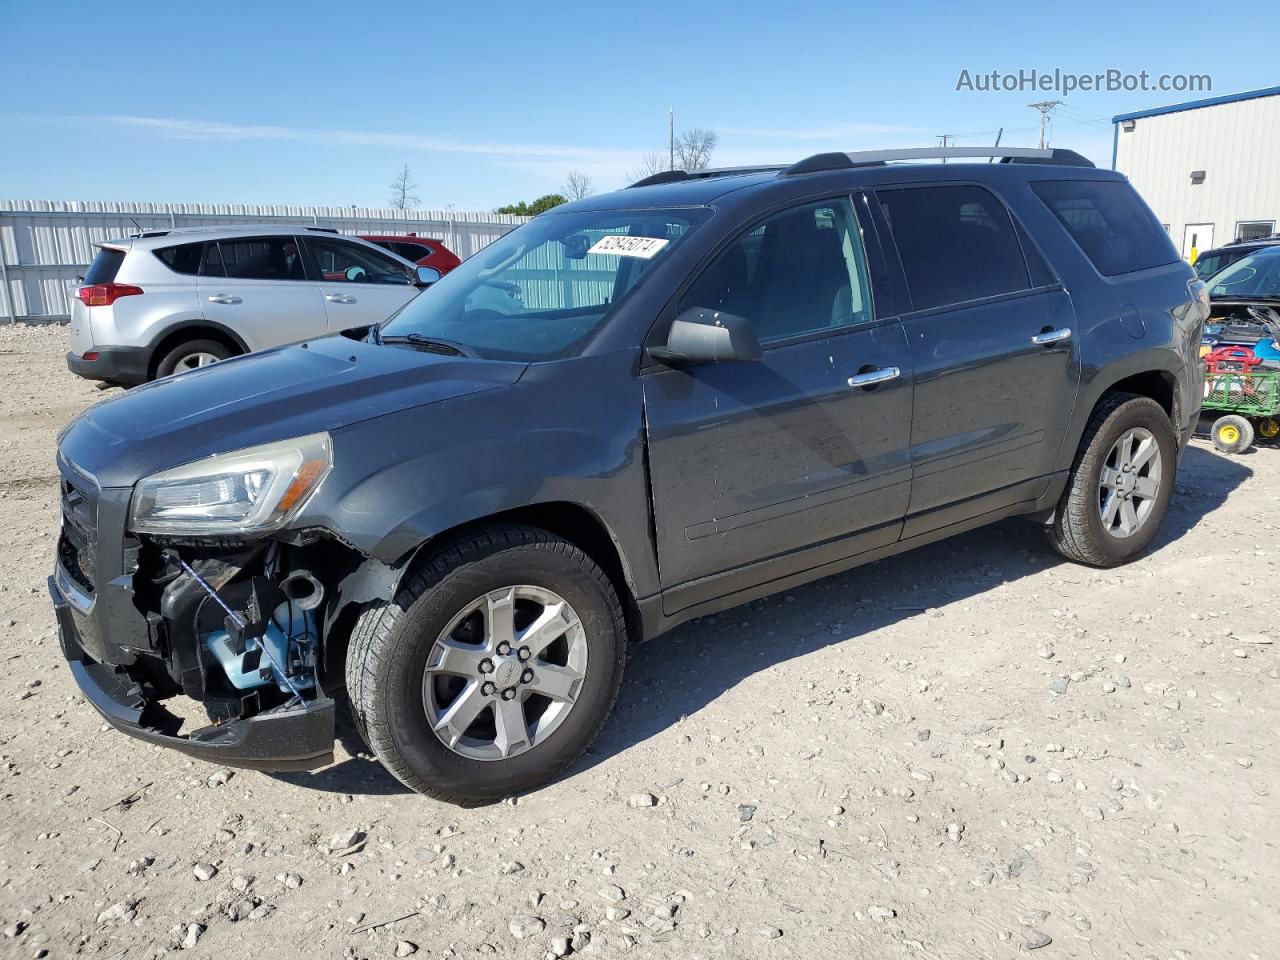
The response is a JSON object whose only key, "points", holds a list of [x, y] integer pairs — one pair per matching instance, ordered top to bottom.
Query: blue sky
{"points": [[490, 102]]}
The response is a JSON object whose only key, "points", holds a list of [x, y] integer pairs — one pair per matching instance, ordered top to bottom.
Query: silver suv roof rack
{"points": [[867, 158]]}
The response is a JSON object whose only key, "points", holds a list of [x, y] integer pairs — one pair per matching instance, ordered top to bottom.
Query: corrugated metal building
{"points": [[1209, 168], [45, 245]]}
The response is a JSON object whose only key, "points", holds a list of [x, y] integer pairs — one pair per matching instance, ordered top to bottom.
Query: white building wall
{"points": [[1236, 144]]}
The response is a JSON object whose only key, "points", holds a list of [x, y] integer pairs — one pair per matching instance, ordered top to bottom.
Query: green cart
{"points": [[1248, 405]]}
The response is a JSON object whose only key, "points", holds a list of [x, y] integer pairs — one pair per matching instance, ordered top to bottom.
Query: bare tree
{"points": [[694, 147], [651, 163], [577, 185], [402, 187]]}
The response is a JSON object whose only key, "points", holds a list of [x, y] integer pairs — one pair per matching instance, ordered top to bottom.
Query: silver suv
{"points": [[165, 301]]}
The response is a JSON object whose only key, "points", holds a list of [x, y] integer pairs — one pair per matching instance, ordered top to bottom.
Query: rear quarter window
{"points": [[1108, 221], [184, 258], [105, 266]]}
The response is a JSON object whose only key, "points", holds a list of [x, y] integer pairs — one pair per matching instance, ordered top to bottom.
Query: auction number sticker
{"points": [[646, 248]]}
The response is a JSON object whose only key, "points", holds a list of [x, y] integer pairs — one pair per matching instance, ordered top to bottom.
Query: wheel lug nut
{"points": [[504, 648], [523, 654], [486, 666], [526, 677], [487, 688], [509, 693]]}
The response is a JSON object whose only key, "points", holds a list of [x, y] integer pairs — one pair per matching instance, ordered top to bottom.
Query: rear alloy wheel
{"points": [[191, 355], [1232, 434], [1120, 483], [494, 668]]}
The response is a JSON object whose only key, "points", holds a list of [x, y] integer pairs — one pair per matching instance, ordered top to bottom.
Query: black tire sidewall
{"points": [[169, 362], [1151, 417], [398, 694]]}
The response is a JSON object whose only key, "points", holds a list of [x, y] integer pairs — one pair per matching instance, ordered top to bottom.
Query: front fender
{"points": [[568, 435]]}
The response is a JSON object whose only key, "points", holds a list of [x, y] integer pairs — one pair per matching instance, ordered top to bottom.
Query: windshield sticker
{"points": [[646, 248]]}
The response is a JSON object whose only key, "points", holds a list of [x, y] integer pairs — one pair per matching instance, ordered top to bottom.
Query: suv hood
{"points": [[287, 392]]}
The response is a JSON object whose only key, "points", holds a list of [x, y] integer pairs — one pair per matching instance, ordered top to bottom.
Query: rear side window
{"points": [[1110, 223], [957, 243], [413, 252], [184, 258], [260, 258], [105, 266]]}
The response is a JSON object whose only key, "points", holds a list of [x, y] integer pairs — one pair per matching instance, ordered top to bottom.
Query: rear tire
{"points": [[191, 355], [1232, 434], [1108, 514], [396, 663]]}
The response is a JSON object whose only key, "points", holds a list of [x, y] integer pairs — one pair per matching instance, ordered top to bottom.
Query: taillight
{"points": [[105, 294]]}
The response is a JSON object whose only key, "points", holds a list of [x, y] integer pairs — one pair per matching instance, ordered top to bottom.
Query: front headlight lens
{"points": [[254, 490]]}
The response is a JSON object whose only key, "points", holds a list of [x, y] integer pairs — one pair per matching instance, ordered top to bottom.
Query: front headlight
{"points": [[254, 490]]}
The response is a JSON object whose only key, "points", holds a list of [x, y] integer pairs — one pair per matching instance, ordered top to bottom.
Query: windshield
{"points": [[1257, 275], [542, 291]]}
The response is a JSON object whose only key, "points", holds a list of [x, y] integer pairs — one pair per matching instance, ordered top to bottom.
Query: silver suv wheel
{"points": [[193, 360], [1129, 485], [505, 672]]}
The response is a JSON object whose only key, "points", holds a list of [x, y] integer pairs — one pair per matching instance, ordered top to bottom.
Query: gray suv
{"points": [[171, 300], [633, 410]]}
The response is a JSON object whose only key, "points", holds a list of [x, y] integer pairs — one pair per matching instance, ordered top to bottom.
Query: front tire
{"points": [[1120, 483], [493, 669]]}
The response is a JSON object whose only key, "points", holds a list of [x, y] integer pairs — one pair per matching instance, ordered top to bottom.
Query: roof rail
{"points": [[868, 158], [677, 176]]}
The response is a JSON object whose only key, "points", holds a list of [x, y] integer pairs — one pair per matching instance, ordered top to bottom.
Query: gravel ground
{"points": [[973, 751]]}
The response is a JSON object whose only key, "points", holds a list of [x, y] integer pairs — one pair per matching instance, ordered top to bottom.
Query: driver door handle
{"points": [[224, 298], [339, 298], [1052, 336], [872, 377]]}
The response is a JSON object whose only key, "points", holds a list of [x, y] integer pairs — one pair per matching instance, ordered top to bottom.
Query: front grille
{"points": [[78, 545]]}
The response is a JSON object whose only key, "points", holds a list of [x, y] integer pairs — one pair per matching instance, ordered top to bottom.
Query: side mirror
{"points": [[426, 276], [700, 335]]}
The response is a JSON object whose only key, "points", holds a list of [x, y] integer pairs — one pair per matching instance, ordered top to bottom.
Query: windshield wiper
{"points": [[429, 344]]}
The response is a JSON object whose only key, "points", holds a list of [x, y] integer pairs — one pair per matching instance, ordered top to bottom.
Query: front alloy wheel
{"points": [[493, 669], [505, 673]]}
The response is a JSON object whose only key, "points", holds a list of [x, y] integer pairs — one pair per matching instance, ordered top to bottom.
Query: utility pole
{"points": [[1045, 107], [671, 137], [944, 142]]}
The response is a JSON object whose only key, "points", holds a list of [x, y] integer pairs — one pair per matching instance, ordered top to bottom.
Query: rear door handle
{"points": [[224, 298], [339, 298], [1052, 336], [872, 377]]}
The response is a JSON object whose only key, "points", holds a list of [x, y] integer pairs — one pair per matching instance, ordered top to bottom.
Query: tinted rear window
{"points": [[1110, 223], [957, 243], [413, 252], [184, 258], [105, 266]]}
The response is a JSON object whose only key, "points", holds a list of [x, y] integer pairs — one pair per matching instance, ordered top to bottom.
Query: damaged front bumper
{"points": [[297, 737]]}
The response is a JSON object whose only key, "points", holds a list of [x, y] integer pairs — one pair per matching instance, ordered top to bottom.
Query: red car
{"points": [[424, 251]]}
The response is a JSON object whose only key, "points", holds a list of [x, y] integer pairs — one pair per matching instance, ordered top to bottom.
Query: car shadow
{"points": [[678, 674]]}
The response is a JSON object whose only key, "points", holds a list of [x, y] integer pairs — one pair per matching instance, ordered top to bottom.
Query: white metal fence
{"points": [[46, 245]]}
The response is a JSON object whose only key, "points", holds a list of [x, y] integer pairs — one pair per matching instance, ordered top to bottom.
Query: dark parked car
{"points": [[424, 251], [1219, 258], [713, 386]]}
